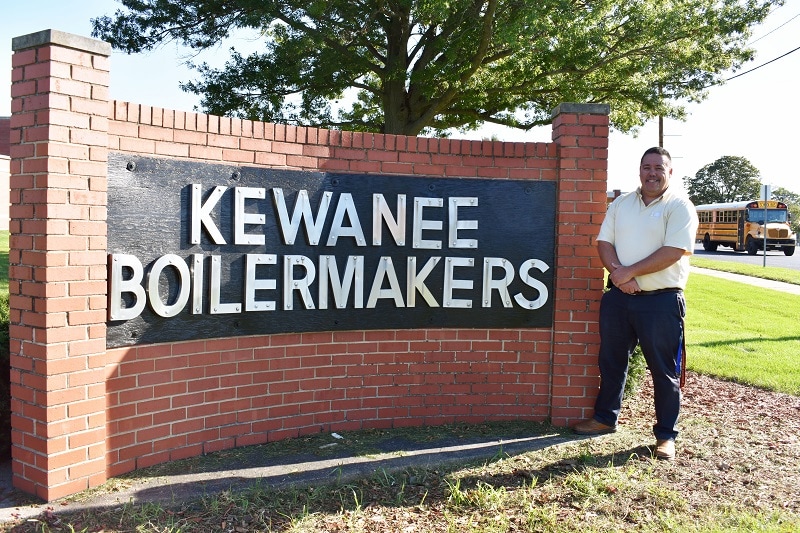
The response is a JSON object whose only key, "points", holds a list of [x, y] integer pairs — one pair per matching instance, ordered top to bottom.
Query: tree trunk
{"points": [[395, 98]]}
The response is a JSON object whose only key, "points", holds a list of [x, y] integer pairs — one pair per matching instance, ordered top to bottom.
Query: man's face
{"points": [[654, 173]]}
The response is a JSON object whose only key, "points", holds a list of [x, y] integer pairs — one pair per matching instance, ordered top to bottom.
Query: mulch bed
{"points": [[737, 444]]}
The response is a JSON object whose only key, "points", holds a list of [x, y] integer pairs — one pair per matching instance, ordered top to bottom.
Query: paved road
{"points": [[775, 258]]}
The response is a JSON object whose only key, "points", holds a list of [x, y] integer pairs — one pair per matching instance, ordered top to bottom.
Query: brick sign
{"points": [[205, 250]]}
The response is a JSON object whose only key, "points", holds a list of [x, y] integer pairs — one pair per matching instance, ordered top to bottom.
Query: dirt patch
{"points": [[737, 444]]}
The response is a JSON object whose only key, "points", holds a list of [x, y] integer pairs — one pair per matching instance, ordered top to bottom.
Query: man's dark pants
{"points": [[656, 322]]}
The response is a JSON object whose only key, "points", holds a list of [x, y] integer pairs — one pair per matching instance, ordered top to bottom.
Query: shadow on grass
{"points": [[732, 342], [344, 460], [318, 461]]}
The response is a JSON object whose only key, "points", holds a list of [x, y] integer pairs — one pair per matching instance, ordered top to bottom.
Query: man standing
{"points": [[644, 243]]}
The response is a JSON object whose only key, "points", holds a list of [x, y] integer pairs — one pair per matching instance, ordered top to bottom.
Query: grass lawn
{"points": [[3, 262], [743, 333]]}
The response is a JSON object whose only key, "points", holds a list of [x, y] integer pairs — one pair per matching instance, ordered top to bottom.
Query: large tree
{"points": [[430, 65], [728, 179], [792, 201]]}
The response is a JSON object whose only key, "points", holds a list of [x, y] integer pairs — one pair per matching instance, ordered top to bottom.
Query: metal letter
{"points": [[345, 205], [302, 210], [204, 211], [241, 218], [421, 224], [454, 224], [397, 227], [385, 269], [524, 270], [354, 272], [415, 281], [450, 283], [197, 284], [253, 284], [301, 285], [500, 285], [119, 286], [160, 307], [218, 308]]}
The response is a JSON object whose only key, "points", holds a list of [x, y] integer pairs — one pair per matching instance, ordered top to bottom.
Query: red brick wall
{"points": [[5, 134], [583, 151], [57, 262], [82, 413]]}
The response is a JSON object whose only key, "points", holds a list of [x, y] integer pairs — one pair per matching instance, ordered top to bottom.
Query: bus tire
{"points": [[709, 246], [751, 246], [788, 250]]}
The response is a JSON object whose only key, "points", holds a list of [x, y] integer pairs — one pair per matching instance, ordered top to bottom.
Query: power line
{"points": [[773, 31], [771, 60], [764, 64]]}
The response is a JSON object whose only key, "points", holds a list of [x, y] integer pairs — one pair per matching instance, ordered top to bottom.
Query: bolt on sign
{"points": [[200, 250]]}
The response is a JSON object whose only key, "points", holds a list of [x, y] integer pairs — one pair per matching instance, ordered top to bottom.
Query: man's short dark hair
{"points": [[656, 150]]}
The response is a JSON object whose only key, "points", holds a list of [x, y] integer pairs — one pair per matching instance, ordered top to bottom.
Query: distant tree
{"points": [[431, 65], [728, 179], [792, 200]]}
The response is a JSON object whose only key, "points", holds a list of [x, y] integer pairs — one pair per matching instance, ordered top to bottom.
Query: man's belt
{"points": [[657, 291], [647, 293]]}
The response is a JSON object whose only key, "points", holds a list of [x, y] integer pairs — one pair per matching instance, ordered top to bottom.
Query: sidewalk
{"points": [[786, 288]]}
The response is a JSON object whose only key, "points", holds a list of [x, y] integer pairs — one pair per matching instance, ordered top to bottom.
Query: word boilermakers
{"points": [[199, 250]]}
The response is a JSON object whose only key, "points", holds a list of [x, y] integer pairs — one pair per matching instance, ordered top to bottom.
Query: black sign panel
{"points": [[202, 250]]}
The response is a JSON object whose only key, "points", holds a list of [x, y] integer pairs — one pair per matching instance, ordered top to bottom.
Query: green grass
{"points": [[787, 275], [743, 333]]}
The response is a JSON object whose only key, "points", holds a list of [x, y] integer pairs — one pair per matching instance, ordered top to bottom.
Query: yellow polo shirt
{"points": [[636, 231]]}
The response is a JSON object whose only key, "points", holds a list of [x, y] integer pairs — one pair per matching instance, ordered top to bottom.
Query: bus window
{"points": [[773, 215]]}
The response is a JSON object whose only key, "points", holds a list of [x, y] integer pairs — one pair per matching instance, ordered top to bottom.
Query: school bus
{"points": [[740, 225]]}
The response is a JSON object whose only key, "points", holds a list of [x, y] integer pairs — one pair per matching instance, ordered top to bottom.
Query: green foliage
{"points": [[421, 66], [728, 179], [792, 200], [4, 235], [5, 361], [637, 367], [5, 379]]}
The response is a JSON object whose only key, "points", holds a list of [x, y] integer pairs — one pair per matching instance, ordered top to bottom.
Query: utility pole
{"points": [[660, 121]]}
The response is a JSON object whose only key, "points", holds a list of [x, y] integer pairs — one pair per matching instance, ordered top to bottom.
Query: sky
{"points": [[755, 116]]}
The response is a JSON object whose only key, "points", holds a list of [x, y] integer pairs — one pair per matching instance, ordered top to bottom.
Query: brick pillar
{"points": [[581, 133], [57, 262]]}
